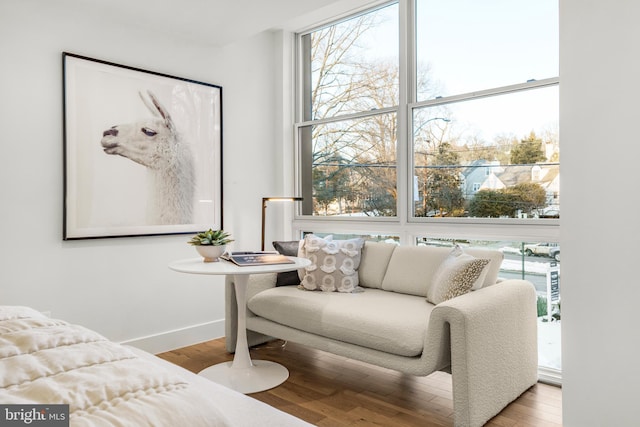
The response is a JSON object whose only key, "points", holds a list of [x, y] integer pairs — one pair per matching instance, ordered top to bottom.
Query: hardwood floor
{"points": [[328, 390]]}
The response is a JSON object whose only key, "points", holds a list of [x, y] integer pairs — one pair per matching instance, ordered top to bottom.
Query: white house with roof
{"points": [[490, 175]]}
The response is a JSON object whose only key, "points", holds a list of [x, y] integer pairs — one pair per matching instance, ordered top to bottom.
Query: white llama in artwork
{"points": [[156, 144]]}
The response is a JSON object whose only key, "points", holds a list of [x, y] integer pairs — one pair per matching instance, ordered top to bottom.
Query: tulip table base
{"points": [[242, 374], [262, 375]]}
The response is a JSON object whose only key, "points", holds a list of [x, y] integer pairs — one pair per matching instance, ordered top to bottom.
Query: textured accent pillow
{"points": [[288, 248], [334, 263], [456, 276]]}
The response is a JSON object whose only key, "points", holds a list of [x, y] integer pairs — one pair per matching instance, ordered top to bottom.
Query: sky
{"points": [[470, 46]]}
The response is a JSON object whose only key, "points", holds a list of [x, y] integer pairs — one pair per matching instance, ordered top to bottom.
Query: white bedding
{"points": [[44, 360]]}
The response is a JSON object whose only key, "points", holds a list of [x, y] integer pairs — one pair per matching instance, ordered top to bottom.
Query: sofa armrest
{"points": [[257, 283], [494, 348]]}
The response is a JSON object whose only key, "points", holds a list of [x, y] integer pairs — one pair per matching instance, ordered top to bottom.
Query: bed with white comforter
{"points": [[48, 361]]}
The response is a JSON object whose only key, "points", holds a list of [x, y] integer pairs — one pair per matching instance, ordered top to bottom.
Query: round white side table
{"points": [[242, 374]]}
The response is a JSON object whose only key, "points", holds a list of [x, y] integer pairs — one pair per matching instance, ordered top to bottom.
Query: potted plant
{"points": [[211, 244]]}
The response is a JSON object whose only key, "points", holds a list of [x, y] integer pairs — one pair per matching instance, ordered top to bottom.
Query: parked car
{"points": [[552, 213], [540, 249], [555, 253]]}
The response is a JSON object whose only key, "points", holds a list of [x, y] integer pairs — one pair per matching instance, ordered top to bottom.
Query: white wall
{"points": [[599, 97], [120, 287]]}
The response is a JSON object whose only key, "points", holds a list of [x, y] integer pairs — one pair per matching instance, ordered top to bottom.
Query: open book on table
{"points": [[256, 258]]}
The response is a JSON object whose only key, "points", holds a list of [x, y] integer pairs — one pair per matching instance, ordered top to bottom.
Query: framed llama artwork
{"points": [[142, 151]]}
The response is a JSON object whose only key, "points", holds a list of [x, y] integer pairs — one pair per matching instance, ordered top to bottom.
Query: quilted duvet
{"points": [[43, 360]]}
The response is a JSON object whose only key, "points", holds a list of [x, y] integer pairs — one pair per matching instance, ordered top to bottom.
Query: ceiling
{"points": [[214, 22]]}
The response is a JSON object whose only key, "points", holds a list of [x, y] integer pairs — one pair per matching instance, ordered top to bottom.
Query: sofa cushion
{"points": [[288, 248], [334, 263], [373, 264], [411, 269], [456, 276], [386, 321]]}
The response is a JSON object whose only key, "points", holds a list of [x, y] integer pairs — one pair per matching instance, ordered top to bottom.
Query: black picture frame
{"points": [[142, 151]]}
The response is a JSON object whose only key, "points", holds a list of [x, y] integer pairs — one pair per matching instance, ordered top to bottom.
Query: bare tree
{"points": [[345, 82]]}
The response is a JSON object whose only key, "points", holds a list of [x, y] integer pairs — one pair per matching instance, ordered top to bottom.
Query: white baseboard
{"points": [[178, 338], [550, 376]]}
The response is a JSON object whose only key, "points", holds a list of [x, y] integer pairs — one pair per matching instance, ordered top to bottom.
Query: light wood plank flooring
{"points": [[332, 391]]}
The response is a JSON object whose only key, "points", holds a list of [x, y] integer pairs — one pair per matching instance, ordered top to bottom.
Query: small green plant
{"points": [[211, 238], [542, 306]]}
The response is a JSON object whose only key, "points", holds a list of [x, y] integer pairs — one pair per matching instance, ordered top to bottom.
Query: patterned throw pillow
{"points": [[334, 263], [456, 276]]}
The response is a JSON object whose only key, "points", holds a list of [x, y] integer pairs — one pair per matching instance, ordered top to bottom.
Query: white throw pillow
{"points": [[334, 263], [458, 274]]}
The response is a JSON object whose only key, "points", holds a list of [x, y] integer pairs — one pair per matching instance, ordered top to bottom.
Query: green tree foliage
{"points": [[528, 151], [443, 192], [527, 196], [506, 202], [491, 204]]}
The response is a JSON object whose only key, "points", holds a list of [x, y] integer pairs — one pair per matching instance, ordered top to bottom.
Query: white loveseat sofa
{"points": [[487, 338]]}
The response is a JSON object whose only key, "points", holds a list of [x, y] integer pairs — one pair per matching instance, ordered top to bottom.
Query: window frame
{"points": [[465, 97], [405, 224]]}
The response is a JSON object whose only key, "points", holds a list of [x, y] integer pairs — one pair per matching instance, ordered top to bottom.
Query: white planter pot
{"points": [[211, 253]]}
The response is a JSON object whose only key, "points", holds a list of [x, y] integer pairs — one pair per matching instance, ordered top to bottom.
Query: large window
{"points": [[485, 116], [459, 120], [348, 138], [488, 157]]}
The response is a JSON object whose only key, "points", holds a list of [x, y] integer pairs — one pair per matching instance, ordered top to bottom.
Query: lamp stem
{"points": [[264, 208]]}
